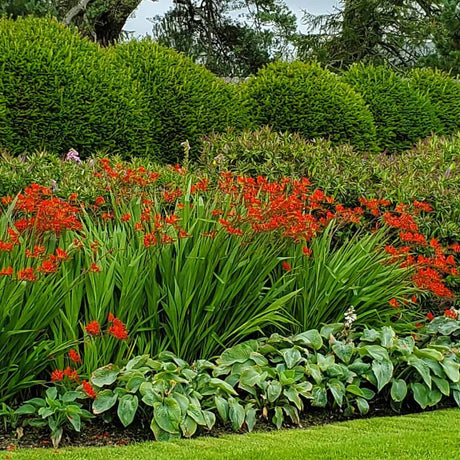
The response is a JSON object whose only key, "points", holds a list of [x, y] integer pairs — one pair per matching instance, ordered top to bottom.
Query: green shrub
{"points": [[443, 91], [61, 92], [185, 99], [310, 100], [402, 116]]}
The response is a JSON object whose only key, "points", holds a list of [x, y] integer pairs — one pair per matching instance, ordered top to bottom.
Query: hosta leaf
{"points": [[330, 329], [370, 335], [388, 336], [311, 339], [406, 345], [344, 351], [375, 351], [239, 353], [428, 353], [291, 356], [324, 362], [422, 369], [451, 369], [383, 371], [105, 375], [250, 377], [442, 384], [223, 386], [337, 389], [273, 390], [398, 390], [420, 392], [456, 395], [293, 396], [319, 396], [434, 396], [182, 400], [104, 401], [363, 406], [127, 408], [222, 408], [25, 409], [292, 413], [197, 414], [235, 414], [167, 415], [210, 418], [250, 418], [278, 418], [75, 421], [188, 427], [160, 434]]}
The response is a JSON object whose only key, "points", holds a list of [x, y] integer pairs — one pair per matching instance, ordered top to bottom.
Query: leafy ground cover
{"points": [[430, 435]]}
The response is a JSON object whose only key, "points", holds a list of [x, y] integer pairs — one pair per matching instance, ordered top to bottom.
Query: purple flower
{"points": [[73, 155]]}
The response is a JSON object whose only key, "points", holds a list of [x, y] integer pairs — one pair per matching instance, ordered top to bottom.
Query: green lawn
{"points": [[433, 435]]}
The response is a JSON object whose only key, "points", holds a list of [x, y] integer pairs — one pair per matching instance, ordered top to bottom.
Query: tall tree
{"points": [[101, 20], [394, 31], [232, 38]]}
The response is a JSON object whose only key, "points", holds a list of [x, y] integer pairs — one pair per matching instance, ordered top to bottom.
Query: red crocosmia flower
{"points": [[179, 169], [73, 196], [99, 201], [126, 217], [138, 227], [183, 234], [150, 239], [455, 247], [307, 251], [61, 254], [48, 266], [286, 266], [94, 268], [8, 271], [27, 274], [414, 299], [394, 303], [450, 314], [430, 316], [111, 317], [418, 325], [93, 328], [117, 329], [74, 356], [71, 374], [57, 375], [88, 389]]}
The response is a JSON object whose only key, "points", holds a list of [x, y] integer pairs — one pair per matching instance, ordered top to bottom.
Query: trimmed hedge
{"points": [[61, 92], [444, 94], [307, 99], [187, 100], [401, 114]]}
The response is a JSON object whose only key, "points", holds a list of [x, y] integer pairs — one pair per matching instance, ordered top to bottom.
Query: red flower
{"points": [[99, 201], [125, 217], [307, 251], [61, 254], [286, 266], [94, 268], [8, 271], [27, 274], [394, 303], [450, 314], [430, 316], [111, 317], [418, 325], [92, 328], [117, 329], [74, 356], [71, 374], [57, 375], [88, 389]]}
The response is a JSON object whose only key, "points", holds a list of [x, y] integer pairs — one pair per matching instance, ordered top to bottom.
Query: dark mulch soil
{"points": [[98, 433]]}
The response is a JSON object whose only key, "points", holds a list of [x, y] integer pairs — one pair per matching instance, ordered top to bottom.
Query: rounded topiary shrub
{"points": [[443, 91], [61, 92], [307, 99], [187, 100], [401, 114]]}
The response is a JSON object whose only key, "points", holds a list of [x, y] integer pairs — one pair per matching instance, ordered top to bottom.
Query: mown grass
{"points": [[429, 435]]}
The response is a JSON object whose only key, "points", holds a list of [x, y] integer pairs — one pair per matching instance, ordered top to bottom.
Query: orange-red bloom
{"points": [[93, 328], [74, 356], [88, 389]]}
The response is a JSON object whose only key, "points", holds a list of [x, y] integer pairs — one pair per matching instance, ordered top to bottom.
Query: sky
{"points": [[141, 26]]}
